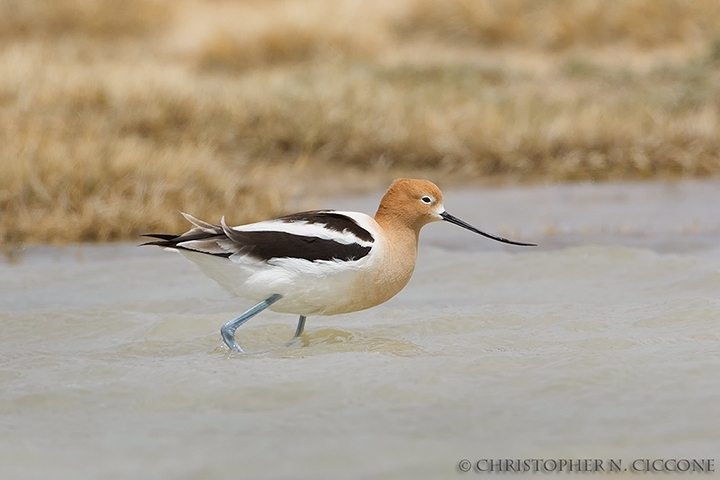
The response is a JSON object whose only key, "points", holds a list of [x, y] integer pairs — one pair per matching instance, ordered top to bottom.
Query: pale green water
{"points": [[602, 343]]}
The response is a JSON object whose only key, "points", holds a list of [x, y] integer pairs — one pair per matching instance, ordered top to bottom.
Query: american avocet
{"points": [[323, 262]]}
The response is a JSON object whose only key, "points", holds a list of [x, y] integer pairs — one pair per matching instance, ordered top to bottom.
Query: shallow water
{"points": [[604, 342]]}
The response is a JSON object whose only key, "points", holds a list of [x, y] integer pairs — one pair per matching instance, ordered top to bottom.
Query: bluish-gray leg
{"points": [[301, 326], [228, 330], [298, 331]]}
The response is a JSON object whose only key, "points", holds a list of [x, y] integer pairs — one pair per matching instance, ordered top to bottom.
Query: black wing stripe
{"points": [[333, 221], [265, 245]]}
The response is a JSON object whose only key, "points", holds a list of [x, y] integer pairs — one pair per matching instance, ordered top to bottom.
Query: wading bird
{"points": [[323, 262]]}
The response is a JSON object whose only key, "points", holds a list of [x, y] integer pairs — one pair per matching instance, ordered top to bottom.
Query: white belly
{"points": [[307, 288]]}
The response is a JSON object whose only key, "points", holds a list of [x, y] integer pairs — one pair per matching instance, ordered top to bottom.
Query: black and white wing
{"points": [[312, 236]]}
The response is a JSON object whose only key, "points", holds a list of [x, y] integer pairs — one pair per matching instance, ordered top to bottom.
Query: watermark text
{"points": [[583, 465]]}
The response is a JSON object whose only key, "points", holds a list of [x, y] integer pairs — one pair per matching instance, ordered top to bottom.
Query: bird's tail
{"points": [[203, 237]]}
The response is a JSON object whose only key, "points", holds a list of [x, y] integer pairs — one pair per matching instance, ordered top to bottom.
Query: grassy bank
{"points": [[115, 115]]}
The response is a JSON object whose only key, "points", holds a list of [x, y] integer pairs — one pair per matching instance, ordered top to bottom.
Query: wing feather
{"points": [[312, 236]]}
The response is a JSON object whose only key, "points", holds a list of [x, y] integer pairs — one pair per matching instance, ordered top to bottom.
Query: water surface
{"points": [[604, 342]]}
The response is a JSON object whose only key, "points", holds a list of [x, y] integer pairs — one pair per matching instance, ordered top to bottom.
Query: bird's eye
{"points": [[427, 200]]}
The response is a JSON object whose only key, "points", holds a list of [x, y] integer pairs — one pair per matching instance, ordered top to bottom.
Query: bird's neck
{"points": [[398, 221], [402, 236], [400, 248]]}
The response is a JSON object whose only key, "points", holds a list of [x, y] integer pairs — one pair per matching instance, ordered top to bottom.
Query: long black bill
{"points": [[449, 218]]}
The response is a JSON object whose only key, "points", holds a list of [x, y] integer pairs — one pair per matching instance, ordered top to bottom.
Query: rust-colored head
{"points": [[410, 202], [415, 203]]}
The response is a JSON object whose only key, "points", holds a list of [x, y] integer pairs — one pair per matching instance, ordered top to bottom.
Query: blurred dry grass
{"points": [[96, 18], [565, 23], [116, 114]]}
